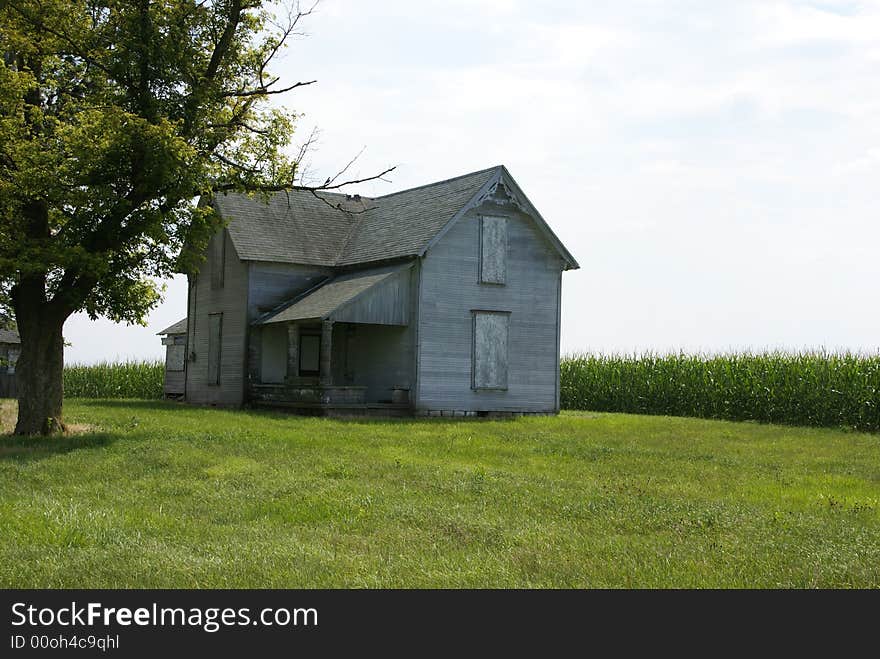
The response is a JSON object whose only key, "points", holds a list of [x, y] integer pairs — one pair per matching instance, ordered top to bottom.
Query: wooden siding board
{"points": [[451, 289], [230, 300], [386, 303], [215, 347], [175, 382]]}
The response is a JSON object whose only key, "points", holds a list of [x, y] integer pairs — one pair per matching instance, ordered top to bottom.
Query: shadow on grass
{"points": [[132, 403], [278, 414], [368, 420], [14, 448]]}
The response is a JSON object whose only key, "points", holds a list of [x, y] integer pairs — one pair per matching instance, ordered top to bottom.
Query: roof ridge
{"points": [[448, 180], [362, 216]]}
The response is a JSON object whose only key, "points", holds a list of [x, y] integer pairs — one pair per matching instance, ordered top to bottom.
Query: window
{"points": [[493, 249], [218, 259], [215, 336], [490, 349], [309, 354], [174, 355]]}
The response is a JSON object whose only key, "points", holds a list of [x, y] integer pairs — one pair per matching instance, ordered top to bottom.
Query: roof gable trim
{"points": [[515, 199]]}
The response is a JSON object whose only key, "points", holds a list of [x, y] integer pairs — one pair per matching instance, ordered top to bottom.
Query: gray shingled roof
{"points": [[403, 223], [295, 226], [326, 299], [177, 328], [9, 336]]}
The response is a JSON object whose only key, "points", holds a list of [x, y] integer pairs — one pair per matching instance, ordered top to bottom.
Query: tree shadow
{"points": [[132, 403], [368, 420], [16, 448]]}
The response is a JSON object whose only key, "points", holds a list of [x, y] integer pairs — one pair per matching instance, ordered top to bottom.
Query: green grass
{"points": [[124, 379], [809, 389], [162, 495]]}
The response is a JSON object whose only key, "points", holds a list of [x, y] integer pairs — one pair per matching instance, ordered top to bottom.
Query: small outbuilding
{"points": [[174, 340], [10, 349]]}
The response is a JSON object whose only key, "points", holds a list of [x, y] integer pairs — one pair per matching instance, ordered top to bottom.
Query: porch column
{"points": [[292, 350], [254, 356], [326, 378]]}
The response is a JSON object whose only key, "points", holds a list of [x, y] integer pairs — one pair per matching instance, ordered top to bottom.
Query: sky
{"points": [[713, 166]]}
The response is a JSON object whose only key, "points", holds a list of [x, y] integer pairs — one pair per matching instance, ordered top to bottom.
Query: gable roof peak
{"points": [[499, 168]]}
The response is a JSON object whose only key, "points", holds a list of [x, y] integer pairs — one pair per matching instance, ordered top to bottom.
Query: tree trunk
{"points": [[39, 369]]}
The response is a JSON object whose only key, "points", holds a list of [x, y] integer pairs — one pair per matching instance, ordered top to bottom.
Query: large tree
{"points": [[115, 115]]}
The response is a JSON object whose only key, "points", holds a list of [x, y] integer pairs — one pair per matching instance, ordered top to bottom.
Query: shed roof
{"points": [[297, 226], [322, 301], [177, 328], [9, 336]]}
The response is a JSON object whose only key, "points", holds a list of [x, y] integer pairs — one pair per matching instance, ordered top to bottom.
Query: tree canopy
{"points": [[114, 116]]}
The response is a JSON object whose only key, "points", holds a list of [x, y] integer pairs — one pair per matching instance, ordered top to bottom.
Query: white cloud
{"points": [[787, 24]]}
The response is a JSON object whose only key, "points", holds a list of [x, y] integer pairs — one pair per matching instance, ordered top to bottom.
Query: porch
{"points": [[344, 348]]}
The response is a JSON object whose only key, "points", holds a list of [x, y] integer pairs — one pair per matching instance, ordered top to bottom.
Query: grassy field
{"points": [[152, 494]]}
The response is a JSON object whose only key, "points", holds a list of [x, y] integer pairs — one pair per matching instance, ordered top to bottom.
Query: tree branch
{"points": [[264, 90], [227, 187]]}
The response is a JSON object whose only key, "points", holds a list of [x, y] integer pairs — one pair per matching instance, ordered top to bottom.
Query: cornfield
{"points": [[128, 379], [811, 388]]}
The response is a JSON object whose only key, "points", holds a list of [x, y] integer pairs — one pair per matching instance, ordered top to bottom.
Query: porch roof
{"points": [[322, 302], [177, 328]]}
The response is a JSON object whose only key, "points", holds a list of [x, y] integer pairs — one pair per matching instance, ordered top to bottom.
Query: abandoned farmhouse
{"points": [[441, 299]]}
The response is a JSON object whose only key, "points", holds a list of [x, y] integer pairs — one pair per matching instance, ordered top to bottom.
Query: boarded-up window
{"points": [[493, 249], [218, 259], [215, 337], [490, 349], [174, 356]]}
